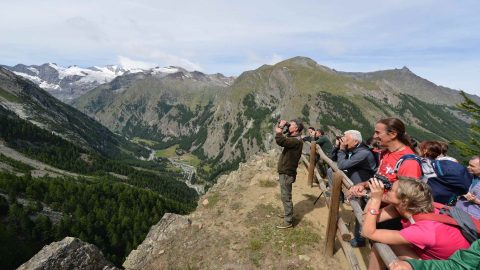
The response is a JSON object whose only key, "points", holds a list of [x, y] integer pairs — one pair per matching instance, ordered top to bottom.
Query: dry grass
{"points": [[267, 183]]}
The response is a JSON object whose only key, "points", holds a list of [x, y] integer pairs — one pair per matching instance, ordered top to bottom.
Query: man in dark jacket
{"points": [[322, 140], [354, 157], [359, 164], [287, 165]]}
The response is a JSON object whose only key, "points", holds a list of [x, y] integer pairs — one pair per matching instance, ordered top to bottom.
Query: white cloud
{"points": [[230, 37], [157, 58], [133, 64]]}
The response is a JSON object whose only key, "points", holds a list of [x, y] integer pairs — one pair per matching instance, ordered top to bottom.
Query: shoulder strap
{"points": [[407, 157], [438, 167], [439, 206], [435, 217]]}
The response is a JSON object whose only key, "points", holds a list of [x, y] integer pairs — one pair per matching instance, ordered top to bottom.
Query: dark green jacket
{"points": [[325, 144], [292, 151], [463, 259]]}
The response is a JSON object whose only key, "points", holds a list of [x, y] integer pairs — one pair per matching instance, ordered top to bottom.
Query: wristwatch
{"points": [[373, 211]]}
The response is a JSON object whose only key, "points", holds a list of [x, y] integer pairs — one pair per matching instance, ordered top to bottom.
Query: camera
{"points": [[387, 185]]}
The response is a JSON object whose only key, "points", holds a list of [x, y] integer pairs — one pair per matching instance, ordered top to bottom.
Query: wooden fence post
{"points": [[311, 165], [333, 214]]}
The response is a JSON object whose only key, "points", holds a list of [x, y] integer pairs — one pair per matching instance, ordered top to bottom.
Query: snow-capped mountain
{"points": [[68, 83]]}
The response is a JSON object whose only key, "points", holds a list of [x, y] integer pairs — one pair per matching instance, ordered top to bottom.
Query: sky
{"points": [[438, 40]]}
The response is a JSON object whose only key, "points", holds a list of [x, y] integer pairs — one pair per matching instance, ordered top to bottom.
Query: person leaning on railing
{"points": [[391, 136], [359, 164], [425, 239], [465, 259]]}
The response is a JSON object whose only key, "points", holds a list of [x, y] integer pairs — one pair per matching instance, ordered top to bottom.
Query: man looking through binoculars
{"points": [[292, 145]]}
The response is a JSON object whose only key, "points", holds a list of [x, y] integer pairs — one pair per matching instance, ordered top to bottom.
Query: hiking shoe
{"points": [[284, 225], [357, 242]]}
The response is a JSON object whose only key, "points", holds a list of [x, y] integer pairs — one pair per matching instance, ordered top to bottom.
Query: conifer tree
{"points": [[472, 147]]}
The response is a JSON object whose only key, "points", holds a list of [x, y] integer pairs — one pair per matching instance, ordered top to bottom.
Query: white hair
{"points": [[356, 135]]}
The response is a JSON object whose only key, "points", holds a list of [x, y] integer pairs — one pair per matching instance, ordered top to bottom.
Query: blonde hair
{"points": [[415, 196]]}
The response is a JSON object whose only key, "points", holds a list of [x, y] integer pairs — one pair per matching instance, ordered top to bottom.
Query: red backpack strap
{"points": [[439, 206], [435, 217]]}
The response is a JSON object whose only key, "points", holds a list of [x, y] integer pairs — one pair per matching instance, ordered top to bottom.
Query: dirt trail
{"points": [[234, 226]]}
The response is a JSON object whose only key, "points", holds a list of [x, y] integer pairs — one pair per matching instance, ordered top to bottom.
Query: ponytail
{"points": [[396, 125]]}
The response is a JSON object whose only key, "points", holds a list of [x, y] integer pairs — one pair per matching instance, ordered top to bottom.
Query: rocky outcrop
{"points": [[233, 227], [166, 228], [70, 253]]}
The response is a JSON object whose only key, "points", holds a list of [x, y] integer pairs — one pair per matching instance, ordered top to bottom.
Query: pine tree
{"points": [[472, 147]]}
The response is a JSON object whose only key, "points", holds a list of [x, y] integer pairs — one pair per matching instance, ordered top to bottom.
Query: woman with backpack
{"points": [[446, 178], [424, 239]]}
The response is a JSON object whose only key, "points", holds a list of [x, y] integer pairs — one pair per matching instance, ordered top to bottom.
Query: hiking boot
{"points": [[284, 225], [357, 242]]}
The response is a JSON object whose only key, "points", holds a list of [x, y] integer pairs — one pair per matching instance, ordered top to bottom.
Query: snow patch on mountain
{"points": [[157, 70], [67, 83], [43, 84]]}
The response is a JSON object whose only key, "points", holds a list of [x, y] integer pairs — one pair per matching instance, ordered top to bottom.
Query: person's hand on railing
{"points": [[357, 190], [399, 265]]}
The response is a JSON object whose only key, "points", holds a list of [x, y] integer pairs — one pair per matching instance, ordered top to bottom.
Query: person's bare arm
{"points": [[369, 230]]}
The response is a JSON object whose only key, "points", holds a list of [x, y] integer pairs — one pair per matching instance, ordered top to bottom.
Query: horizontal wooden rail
{"points": [[384, 250]]}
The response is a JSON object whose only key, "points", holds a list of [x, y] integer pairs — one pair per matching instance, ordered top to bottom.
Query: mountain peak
{"points": [[299, 60], [406, 70]]}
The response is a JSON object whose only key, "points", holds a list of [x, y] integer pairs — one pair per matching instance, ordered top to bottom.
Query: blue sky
{"points": [[438, 40]]}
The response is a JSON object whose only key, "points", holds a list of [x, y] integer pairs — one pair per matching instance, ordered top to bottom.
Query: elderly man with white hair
{"points": [[355, 157], [359, 164]]}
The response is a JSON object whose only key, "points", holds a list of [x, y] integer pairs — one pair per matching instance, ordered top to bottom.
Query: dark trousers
{"points": [[286, 182]]}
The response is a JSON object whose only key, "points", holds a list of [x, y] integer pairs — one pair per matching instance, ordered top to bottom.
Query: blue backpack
{"points": [[446, 178]]}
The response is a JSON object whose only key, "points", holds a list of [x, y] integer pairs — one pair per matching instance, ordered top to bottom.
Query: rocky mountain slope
{"points": [[22, 98], [224, 123]]}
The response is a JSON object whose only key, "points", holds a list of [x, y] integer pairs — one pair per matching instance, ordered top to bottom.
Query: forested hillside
{"points": [[113, 200], [114, 213]]}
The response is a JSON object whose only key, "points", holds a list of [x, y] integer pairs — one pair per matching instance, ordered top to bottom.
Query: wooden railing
{"points": [[336, 227]]}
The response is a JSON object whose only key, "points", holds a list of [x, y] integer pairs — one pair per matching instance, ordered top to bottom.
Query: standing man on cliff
{"points": [[287, 165]]}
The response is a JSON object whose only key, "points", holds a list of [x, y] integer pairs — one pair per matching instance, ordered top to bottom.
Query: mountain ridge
{"points": [[67, 83], [224, 124]]}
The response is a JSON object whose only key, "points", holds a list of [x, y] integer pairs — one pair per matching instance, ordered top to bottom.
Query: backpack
{"points": [[446, 178], [454, 216]]}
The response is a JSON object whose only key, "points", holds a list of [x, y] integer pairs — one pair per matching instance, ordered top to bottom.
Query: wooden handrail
{"points": [[311, 166], [333, 215], [384, 250]]}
